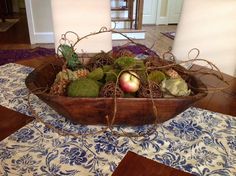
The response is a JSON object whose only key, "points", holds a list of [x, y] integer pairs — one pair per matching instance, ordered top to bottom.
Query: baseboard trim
{"points": [[162, 20], [43, 37]]}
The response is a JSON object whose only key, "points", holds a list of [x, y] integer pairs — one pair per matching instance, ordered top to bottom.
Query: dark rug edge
{"points": [[168, 34], [14, 55]]}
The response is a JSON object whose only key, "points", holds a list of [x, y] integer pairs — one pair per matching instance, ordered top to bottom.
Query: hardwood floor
{"points": [[16, 37], [154, 39]]}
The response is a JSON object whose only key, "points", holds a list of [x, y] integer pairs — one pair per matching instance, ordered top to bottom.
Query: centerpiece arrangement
{"points": [[117, 75], [130, 85]]}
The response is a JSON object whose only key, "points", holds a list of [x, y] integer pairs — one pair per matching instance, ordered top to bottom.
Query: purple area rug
{"points": [[170, 35], [135, 49], [7, 56]]}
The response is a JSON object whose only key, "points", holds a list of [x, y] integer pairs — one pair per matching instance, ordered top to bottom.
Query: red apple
{"points": [[129, 82]]}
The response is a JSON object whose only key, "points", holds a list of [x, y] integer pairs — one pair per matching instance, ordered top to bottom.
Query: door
{"points": [[149, 11], [174, 11]]}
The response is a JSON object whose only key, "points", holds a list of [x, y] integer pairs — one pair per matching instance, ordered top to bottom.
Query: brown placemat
{"points": [[136, 165]]}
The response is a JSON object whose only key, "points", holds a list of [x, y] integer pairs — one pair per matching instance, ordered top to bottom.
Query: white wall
{"points": [[39, 21]]}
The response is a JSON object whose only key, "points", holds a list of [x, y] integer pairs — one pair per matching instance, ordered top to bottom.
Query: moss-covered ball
{"points": [[125, 62], [107, 68], [96, 74], [111, 76], [156, 76], [83, 87]]}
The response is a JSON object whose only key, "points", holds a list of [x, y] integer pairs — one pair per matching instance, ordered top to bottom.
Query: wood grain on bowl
{"points": [[130, 111]]}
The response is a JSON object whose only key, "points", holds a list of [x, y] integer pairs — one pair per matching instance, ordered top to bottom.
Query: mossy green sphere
{"points": [[125, 62], [107, 68], [96, 74], [111, 76], [156, 76], [83, 87]]}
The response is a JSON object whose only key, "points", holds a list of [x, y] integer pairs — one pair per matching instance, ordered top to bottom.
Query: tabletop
{"points": [[199, 140], [144, 166]]}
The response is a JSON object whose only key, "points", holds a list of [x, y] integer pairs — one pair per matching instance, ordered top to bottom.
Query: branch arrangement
{"points": [[132, 70]]}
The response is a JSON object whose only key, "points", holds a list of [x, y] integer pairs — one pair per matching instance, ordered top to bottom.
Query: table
{"points": [[197, 141], [144, 166]]}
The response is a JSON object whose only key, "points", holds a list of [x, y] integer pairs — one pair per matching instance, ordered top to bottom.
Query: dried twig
{"points": [[176, 66]]}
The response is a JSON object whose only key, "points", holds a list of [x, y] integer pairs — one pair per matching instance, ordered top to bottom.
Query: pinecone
{"points": [[81, 73], [65, 74], [59, 88]]}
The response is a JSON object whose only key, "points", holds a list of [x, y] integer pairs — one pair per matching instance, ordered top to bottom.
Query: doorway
{"points": [[150, 11], [162, 11], [174, 11], [17, 33]]}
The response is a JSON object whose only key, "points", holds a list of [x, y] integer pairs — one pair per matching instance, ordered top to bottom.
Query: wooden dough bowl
{"points": [[92, 111]]}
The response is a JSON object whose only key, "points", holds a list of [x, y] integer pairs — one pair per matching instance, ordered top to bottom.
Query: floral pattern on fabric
{"points": [[197, 141]]}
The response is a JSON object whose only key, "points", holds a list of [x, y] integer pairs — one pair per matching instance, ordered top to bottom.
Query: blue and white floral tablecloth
{"points": [[196, 141]]}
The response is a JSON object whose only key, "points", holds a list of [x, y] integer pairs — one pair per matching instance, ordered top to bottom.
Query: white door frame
{"points": [[150, 11], [174, 11], [161, 19], [30, 20], [36, 37]]}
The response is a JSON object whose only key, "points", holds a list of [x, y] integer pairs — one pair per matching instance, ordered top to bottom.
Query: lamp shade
{"points": [[83, 17], [210, 26]]}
